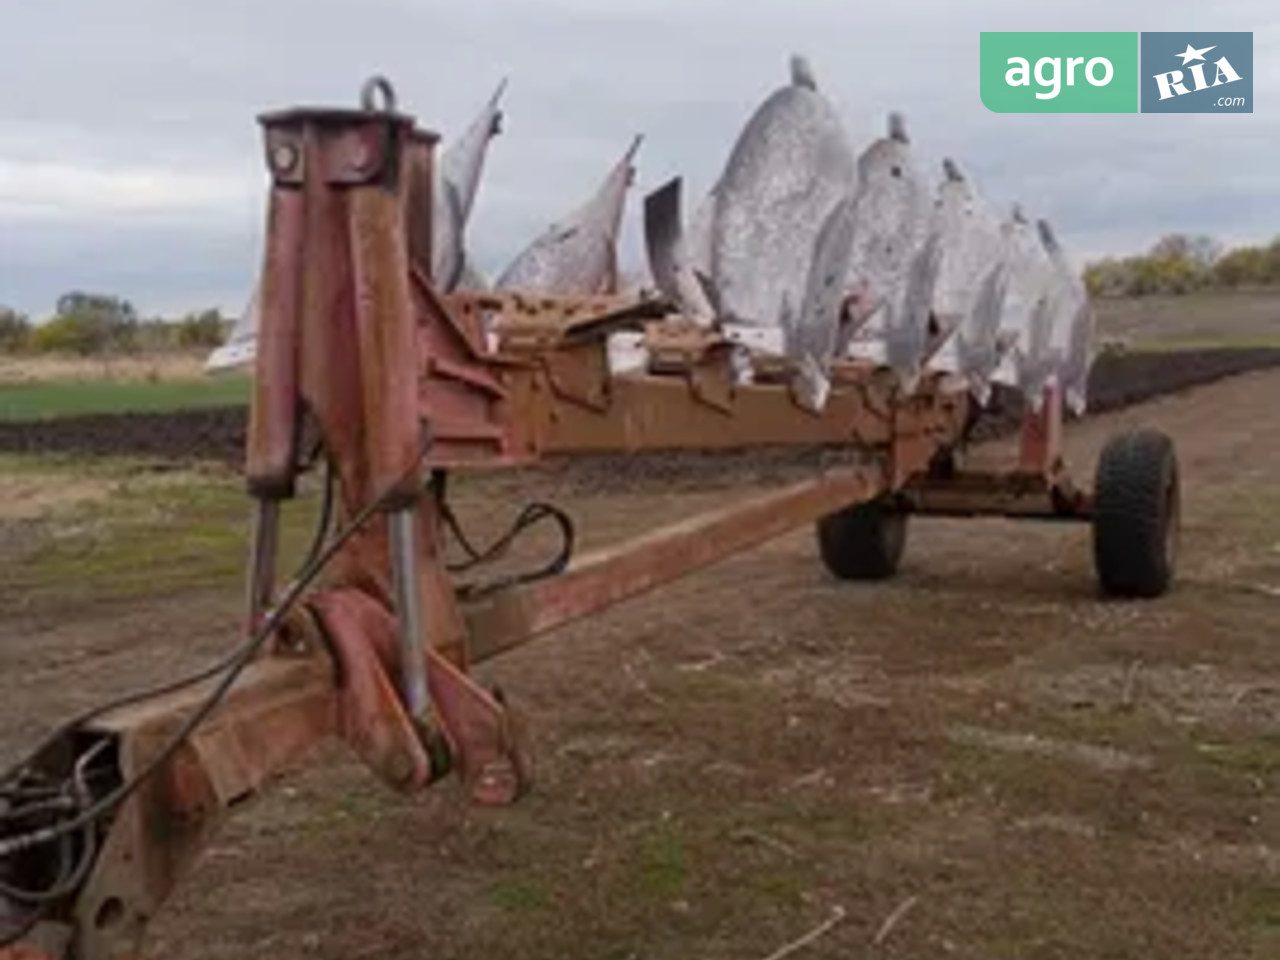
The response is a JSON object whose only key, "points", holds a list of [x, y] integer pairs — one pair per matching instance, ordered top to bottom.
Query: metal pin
{"points": [[263, 548], [404, 569]]}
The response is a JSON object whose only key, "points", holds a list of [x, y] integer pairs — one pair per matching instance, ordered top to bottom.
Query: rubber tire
{"points": [[1136, 515], [863, 542]]}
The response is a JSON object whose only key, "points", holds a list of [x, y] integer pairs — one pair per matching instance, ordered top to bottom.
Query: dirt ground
{"points": [[980, 759]]}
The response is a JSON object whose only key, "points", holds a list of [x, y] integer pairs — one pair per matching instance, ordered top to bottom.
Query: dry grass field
{"points": [[982, 749]]}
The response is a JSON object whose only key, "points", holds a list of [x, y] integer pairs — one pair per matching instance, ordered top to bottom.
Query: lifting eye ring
{"points": [[378, 95]]}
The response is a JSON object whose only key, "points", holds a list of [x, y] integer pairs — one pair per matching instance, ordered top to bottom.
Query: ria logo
{"points": [[1197, 72], [1171, 84]]}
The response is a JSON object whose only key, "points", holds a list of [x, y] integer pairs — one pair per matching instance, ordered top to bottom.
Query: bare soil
{"points": [[981, 748]]}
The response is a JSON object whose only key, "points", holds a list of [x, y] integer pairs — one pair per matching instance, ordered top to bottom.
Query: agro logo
{"points": [[1059, 72], [1197, 72], [1048, 73], [1171, 83]]}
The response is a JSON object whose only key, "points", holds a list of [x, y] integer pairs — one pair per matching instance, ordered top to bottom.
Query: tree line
{"points": [[1181, 263], [91, 324]]}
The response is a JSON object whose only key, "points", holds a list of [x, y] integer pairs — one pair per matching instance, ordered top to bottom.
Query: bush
{"points": [[1176, 264], [1180, 264], [89, 324], [206, 329], [15, 331], [70, 334]]}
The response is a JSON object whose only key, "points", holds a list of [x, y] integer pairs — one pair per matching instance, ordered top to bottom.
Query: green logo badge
{"points": [[1059, 72]]}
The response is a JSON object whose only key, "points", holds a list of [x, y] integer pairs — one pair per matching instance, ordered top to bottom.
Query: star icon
{"points": [[1191, 53]]}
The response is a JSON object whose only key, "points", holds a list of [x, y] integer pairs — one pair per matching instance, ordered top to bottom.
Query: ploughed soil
{"points": [[217, 433], [980, 758]]}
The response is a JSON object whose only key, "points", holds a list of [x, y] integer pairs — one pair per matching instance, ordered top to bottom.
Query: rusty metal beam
{"points": [[652, 413], [1040, 448], [1014, 495], [598, 580], [279, 710]]}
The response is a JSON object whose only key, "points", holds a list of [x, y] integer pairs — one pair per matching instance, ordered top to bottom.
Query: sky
{"points": [[130, 159]]}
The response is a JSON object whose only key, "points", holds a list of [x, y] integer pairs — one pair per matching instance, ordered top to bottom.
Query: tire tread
{"points": [[1131, 515], [860, 542]]}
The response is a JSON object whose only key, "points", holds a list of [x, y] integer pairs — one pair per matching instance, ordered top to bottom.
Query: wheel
{"points": [[1136, 513], [863, 542]]}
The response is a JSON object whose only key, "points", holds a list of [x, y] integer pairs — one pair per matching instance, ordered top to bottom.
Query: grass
{"points": [[1212, 318], [1224, 342], [149, 366], [40, 400], [146, 530], [663, 865], [520, 897]]}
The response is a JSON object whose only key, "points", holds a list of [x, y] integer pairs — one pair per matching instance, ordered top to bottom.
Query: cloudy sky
{"points": [[130, 162]]}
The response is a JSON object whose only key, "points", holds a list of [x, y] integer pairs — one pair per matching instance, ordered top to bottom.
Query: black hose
{"points": [[531, 515], [231, 669], [174, 686]]}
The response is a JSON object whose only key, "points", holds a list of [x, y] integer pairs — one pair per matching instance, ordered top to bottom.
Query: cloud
{"points": [[131, 162], [70, 192], [162, 265]]}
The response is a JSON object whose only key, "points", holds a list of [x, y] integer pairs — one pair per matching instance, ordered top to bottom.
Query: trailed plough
{"points": [[815, 298]]}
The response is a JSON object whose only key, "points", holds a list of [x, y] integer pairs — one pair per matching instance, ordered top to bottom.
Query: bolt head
{"points": [[361, 155], [284, 157]]}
